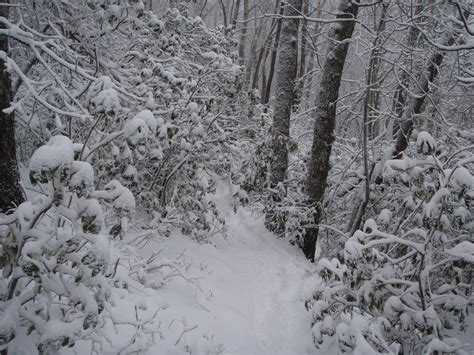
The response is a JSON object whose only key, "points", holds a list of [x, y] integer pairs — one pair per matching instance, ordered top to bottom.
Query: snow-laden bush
{"points": [[153, 97], [121, 110], [57, 258], [71, 278], [406, 280]]}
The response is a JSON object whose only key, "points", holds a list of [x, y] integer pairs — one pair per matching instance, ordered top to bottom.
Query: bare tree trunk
{"points": [[224, 12], [235, 14], [243, 34], [276, 42], [262, 57], [302, 57], [251, 66], [264, 79], [308, 81], [285, 94], [400, 94], [373, 98], [326, 99], [415, 101], [11, 194]]}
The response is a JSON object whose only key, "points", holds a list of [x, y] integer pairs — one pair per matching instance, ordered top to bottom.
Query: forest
{"points": [[241, 177]]}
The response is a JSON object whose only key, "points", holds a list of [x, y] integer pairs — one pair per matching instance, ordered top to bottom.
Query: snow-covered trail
{"points": [[250, 286]]}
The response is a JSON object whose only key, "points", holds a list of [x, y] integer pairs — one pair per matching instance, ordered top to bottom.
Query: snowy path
{"points": [[250, 290]]}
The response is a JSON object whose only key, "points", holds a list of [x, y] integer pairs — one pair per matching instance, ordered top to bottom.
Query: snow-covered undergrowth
{"points": [[404, 283], [242, 294], [238, 295]]}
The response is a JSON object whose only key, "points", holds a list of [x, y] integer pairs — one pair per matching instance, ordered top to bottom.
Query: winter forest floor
{"points": [[249, 289], [240, 295], [243, 295]]}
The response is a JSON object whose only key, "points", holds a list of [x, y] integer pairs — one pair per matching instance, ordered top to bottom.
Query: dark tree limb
{"points": [[273, 58], [416, 100], [11, 194]]}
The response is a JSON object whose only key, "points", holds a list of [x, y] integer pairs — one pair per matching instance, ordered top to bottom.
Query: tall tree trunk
{"points": [[224, 12], [235, 13], [243, 34], [262, 55], [273, 57], [302, 57], [251, 66], [264, 79], [308, 80], [285, 94], [373, 98], [399, 100], [416, 100], [325, 120], [11, 194]]}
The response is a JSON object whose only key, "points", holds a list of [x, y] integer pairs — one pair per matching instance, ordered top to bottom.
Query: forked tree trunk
{"points": [[285, 94], [325, 117], [11, 194]]}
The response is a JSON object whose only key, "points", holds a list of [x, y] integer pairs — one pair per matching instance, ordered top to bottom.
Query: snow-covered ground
{"points": [[244, 294], [240, 295], [248, 295]]}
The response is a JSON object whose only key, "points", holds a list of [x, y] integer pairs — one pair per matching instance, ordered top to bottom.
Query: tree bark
{"points": [[224, 12], [235, 14], [243, 34], [262, 55], [273, 57], [302, 57], [252, 59], [264, 78], [308, 80], [373, 93], [285, 94], [399, 100], [416, 100], [325, 120], [11, 194]]}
